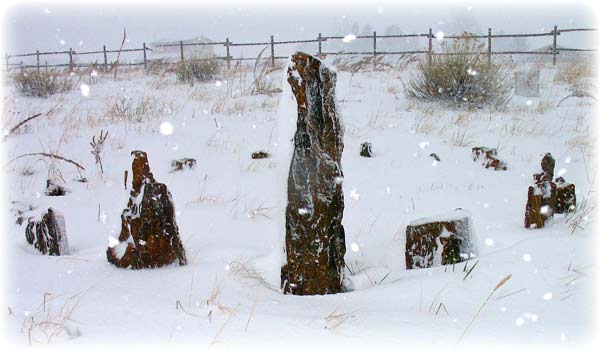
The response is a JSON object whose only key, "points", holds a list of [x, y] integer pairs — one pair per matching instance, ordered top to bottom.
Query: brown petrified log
{"points": [[149, 234], [315, 239]]}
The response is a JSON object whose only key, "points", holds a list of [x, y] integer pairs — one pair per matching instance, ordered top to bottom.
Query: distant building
{"points": [[173, 50]]}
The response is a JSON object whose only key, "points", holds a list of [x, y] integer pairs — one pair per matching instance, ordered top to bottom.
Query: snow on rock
{"points": [[366, 149], [487, 157], [49, 234], [149, 234], [315, 239], [440, 240]]}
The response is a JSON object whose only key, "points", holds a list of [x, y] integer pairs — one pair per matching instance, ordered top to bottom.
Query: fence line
{"points": [[554, 50]]}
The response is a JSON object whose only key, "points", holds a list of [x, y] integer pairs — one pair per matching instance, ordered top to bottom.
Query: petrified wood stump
{"points": [[366, 149], [260, 155], [487, 157], [182, 164], [547, 173], [566, 201], [533, 215], [149, 234], [48, 235], [443, 240], [315, 241]]}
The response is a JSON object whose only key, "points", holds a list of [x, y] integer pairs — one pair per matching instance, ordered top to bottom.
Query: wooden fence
{"points": [[554, 50]]}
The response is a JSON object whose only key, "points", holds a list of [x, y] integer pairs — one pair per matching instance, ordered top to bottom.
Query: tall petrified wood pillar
{"points": [[149, 234], [314, 241]]}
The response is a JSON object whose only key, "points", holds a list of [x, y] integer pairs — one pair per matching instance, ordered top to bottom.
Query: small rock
{"points": [[366, 150], [260, 155], [435, 156], [487, 157], [182, 164], [54, 189], [48, 235], [446, 239]]}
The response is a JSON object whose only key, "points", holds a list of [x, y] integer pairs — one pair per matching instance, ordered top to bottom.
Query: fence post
{"points": [[319, 39], [489, 45], [554, 47], [430, 49], [181, 50], [374, 50], [272, 52], [37, 56], [228, 57], [105, 59], [70, 60], [145, 61]]}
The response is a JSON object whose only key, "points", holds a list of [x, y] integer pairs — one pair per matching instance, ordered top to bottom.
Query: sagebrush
{"points": [[198, 69], [461, 76], [40, 84]]}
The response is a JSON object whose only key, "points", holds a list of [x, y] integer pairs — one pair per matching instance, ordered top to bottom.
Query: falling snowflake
{"points": [[439, 35], [348, 38], [62, 42], [218, 83], [85, 90], [166, 128], [423, 144], [568, 160], [562, 171], [354, 194], [489, 242], [355, 247], [526, 257], [547, 296], [519, 321]]}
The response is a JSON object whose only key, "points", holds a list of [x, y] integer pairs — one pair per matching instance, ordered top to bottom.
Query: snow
{"points": [[388, 307]]}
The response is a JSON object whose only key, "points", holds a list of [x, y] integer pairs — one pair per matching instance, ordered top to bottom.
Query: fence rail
{"points": [[554, 50]]}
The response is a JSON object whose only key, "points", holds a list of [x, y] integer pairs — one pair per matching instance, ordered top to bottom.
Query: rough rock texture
{"points": [[365, 149], [260, 155], [487, 157], [182, 164], [547, 173], [54, 189], [566, 201], [533, 216], [49, 234], [149, 234], [315, 240], [443, 240]]}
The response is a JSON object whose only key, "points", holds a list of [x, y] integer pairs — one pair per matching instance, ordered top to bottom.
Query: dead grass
{"points": [[575, 71]]}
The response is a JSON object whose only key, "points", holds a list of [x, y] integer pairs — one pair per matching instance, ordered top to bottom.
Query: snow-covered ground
{"points": [[230, 212]]}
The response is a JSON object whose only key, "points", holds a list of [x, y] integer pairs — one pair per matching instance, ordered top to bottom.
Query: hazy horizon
{"points": [[50, 27]]}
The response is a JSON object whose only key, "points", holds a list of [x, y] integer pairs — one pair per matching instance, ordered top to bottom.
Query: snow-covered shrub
{"points": [[198, 69], [462, 77], [40, 84]]}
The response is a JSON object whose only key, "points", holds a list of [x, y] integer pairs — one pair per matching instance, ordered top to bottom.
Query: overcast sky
{"points": [[29, 26]]}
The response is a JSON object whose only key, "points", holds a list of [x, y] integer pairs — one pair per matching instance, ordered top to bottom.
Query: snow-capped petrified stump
{"points": [[365, 149], [487, 157], [182, 164], [547, 173], [566, 201], [541, 204], [49, 234], [149, 234], [315, 240], [442, 240]]}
